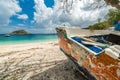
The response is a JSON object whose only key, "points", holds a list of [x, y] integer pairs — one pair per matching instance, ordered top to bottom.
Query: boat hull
{"points": [[94, 67]]}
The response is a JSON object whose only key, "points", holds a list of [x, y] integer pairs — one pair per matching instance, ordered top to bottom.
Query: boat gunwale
{"points": [[86, 47]]}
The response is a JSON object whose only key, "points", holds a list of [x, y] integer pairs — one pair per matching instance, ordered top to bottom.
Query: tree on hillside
{"points": [[113, 14], [99, 26]]}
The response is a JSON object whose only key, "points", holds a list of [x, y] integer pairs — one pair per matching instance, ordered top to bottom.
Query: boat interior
{"points": [[95, 41]]}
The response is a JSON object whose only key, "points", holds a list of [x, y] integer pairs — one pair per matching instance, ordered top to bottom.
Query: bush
{"points": [[99, 26]]}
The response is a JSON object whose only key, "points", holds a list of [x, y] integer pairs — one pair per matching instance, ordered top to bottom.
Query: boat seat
{"points": [[113, 51]]}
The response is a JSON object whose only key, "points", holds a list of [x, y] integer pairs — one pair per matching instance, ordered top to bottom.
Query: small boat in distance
{"points": [[7, 35], [95, 53]]}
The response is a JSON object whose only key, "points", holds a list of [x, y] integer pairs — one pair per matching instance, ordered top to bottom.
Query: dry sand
{"points": [[35, 61]]}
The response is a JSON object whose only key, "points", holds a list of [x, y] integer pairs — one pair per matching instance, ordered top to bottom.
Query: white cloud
{"points": [[8, 8], [44, 13], [75, 13], [23, 16], [21, 24]]}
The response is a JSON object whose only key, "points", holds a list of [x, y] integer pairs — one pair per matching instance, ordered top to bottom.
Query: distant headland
{"points": [[16, 32], [19, 32]]}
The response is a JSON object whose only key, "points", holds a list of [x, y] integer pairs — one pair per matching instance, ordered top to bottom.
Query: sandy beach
{"points": [[35, 61]]}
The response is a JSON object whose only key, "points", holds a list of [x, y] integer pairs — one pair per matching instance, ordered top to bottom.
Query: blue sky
{"points": [[49, 3], [28, 9], [43, 16]]}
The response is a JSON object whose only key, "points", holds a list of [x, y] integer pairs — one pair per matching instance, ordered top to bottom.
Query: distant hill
{"points": [[19, 32]]}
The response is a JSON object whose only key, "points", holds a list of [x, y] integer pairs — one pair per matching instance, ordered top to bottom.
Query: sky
{"points": [[43, 16]]}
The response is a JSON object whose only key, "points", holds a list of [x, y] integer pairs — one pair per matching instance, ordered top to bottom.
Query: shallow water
{"points": [[27, 38]]}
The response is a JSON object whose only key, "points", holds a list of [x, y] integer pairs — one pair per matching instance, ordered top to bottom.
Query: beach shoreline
{"points": [[27, 42], [39, 61]]}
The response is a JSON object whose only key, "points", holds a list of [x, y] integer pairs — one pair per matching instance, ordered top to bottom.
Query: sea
{"points": [[26, 38]]}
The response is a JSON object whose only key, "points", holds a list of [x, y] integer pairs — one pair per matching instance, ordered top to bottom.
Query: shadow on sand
{"points": [[63, 70]]}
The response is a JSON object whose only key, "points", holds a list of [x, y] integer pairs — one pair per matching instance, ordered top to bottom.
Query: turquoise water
{"points": [[27, 38]]}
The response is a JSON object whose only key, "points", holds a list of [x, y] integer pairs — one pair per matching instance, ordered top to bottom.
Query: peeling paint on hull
{"points": [[101, 67]]}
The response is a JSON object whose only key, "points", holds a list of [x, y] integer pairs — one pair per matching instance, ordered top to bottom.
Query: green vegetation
{"points": [[113, 14], [99, 26], [19, 32], [1, 79]]}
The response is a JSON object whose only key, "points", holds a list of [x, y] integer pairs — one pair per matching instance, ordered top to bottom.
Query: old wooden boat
{"points": [[95, 53]]}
